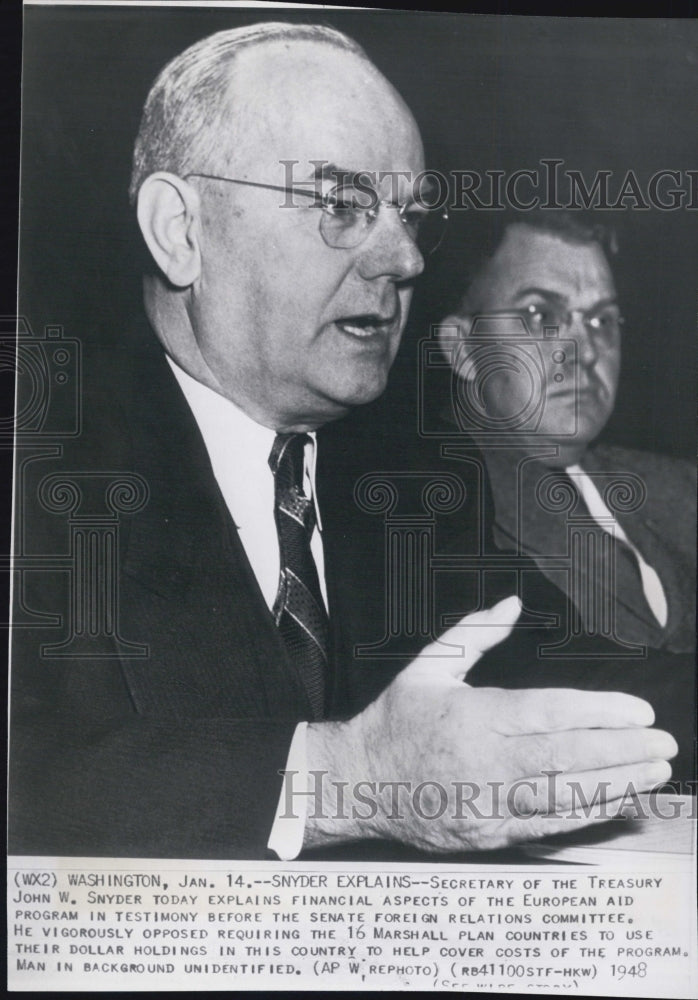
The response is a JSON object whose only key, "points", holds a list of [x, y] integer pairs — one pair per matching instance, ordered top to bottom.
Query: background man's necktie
{"points": [[299, 610]]}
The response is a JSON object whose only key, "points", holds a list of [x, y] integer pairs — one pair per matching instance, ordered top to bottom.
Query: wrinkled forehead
{"points": [[311, 101], [530, 258]]}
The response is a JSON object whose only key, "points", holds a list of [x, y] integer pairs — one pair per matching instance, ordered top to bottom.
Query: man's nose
{"points": [[389, 250], [587, 347]]}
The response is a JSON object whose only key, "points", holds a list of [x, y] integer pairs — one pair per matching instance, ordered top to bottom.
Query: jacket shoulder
{"points": [[666, 471]]}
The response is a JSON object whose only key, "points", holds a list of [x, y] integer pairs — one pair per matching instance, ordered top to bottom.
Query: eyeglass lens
{"points": [[349, 212]]}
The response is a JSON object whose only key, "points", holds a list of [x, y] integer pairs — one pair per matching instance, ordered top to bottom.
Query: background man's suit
{"points": [[660, 524], [662, 666]]}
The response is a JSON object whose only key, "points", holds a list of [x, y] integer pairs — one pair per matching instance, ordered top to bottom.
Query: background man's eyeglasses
{"points": [[349, 211], [601, 321]]}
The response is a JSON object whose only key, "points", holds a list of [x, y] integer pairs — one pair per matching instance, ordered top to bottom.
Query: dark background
{"points": [[488, 93]]}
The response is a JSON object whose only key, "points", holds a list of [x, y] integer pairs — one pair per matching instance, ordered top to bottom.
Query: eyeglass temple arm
{"points": [[256, 184]]}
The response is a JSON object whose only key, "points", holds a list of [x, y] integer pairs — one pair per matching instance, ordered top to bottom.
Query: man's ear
{"points": [[168, 214], [453, 332]]}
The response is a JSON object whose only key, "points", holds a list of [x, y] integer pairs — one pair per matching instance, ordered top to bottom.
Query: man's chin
{"points": [[361, 391], [333, 407], [570, 451]]}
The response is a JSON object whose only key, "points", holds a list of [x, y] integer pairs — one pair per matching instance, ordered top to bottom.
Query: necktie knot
{"points": [[286, 459], [287, 463]]}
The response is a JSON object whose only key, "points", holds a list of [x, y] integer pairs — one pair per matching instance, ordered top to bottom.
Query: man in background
{"points": [[535, 347]]}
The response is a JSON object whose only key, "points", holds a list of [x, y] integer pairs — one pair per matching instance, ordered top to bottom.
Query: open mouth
{"points": [[367, 325], [573, 392]]}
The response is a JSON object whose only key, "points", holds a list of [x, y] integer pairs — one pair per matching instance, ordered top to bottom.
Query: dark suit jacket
{"points": [[655, 504], [655, 663], [175, 753], [157, 755]]}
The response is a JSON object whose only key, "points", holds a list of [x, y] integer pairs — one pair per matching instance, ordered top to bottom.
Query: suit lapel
{"points": [[526, 502], [650, 529], [187, 585]]}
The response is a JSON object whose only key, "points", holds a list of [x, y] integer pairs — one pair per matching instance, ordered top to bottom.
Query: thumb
{"points": [[474, 634]]}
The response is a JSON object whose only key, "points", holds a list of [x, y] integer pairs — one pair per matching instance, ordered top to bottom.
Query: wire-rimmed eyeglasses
{"points": [[349, 211], [604, 321]]}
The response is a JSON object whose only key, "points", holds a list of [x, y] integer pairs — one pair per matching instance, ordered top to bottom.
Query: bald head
{"points": [[309, 98], [211, 99]]}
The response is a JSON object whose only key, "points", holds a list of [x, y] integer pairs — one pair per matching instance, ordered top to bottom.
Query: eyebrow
{"points": [[330, 171], [544, 293], [547, 293]]}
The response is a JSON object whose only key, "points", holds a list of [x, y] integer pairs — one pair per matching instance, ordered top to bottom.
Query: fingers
{"points": [[475, 634], [550, 710], [587, 749], [579, 795], [493, 816], [551, 824]]}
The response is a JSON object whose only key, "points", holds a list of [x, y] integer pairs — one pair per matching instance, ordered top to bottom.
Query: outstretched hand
{"points": [[446, 767]]}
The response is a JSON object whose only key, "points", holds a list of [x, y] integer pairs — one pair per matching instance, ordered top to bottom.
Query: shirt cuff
{"points": [[286, 837]]}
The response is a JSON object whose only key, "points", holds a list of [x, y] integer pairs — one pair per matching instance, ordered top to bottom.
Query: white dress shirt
{"points": [[239, 450], [651, 584]]}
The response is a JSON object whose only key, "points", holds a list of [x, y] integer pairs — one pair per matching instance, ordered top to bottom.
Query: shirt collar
{"points": [[232, 438]]}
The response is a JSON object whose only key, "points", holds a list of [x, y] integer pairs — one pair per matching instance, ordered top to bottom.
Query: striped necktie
{"points": [[299, 610]]}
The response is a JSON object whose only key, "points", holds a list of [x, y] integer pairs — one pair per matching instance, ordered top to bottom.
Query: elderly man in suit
{"points": [[275, 307]]}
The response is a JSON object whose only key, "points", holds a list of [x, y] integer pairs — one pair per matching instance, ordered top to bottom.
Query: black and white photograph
{"points": [[353, 565]]}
